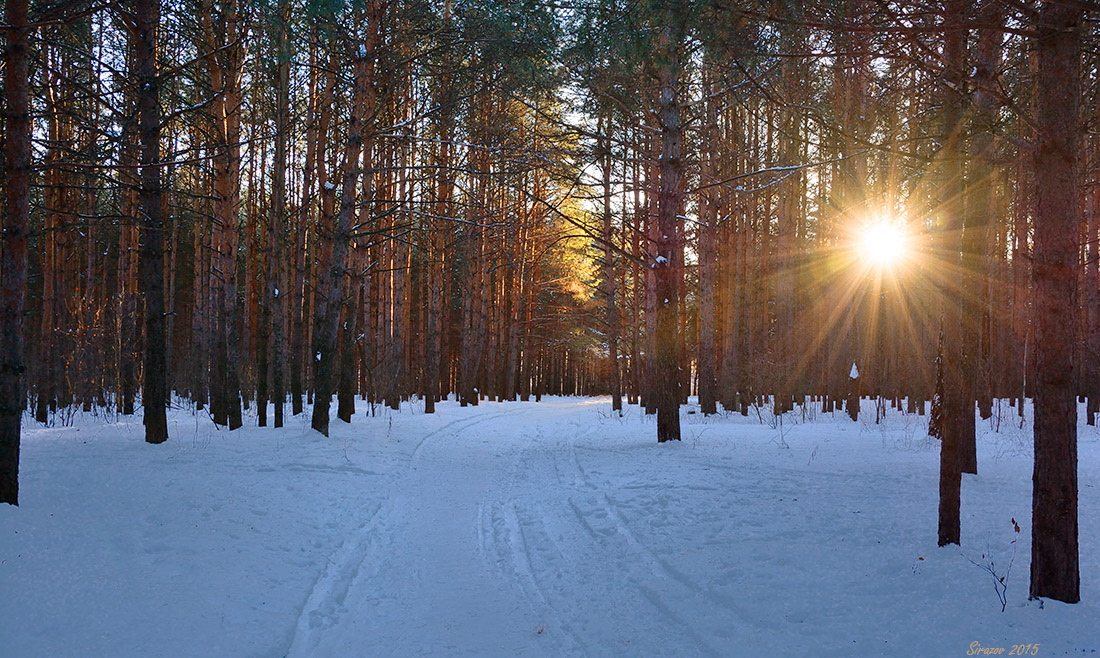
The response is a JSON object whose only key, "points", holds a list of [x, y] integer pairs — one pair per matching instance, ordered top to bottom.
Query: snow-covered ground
{"points": [[524, 529]]}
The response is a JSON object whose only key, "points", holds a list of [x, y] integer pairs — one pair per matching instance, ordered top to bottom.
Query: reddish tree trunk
{"points": [[276, 230], [708, 256], [13, 281], [611, 308], [327, 318], [666, 385], [957, 403], [1054, 553]]}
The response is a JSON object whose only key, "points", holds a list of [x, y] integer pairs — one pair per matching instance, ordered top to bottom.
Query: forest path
{"points": [[488, 531], [418, 565]]}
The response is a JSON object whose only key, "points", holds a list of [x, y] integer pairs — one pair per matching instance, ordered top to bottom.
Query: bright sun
{"points": [[883, 243]]}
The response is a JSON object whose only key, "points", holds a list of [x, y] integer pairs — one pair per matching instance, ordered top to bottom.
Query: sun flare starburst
{"points": [[884, 244]]}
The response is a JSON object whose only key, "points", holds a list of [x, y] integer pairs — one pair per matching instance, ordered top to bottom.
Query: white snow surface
{"points": [[526, 529]]}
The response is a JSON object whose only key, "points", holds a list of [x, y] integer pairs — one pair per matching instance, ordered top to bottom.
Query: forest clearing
{"points": [[524, 529]]}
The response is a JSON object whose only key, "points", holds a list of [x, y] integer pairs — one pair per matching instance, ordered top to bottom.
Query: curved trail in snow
{"points": [[483, 541], [420, 558]]}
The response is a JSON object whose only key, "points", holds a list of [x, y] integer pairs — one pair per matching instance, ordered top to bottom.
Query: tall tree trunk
{"points": [[225, 61], [652, 178], [53, 195], [670, 196], [980, 216], [276, 230], [437, 231], [708, 248], [13, 255], [127, 270], [434, 275], [1021, 276], [396, 278], [637, 278], [297, 302], [610, 307], [255, 312], [473, 316], [327, 318], [199, 321], [785, 359], [154, 387], [957, 403], [1054, 553]]}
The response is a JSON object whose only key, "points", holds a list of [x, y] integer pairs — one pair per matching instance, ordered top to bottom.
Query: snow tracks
{"points": [[515, 530]]}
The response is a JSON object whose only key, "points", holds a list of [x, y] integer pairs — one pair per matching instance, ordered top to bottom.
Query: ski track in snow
{"points": [[465, 423], [424, 545], [514, 551], [644, 573], [325, 603]]}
